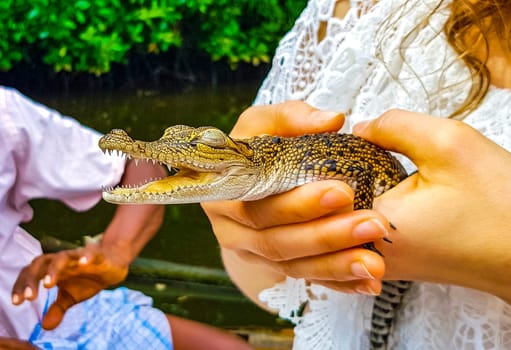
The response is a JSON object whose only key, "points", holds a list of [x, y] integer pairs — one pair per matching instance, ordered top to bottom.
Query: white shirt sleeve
{"points": [[42, 155], [55, 156]]}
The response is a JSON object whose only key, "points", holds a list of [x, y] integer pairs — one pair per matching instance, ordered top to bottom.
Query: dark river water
{"points": [[185, 236]]}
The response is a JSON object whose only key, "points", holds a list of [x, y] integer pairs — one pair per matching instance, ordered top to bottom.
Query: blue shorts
{"points": [[111, 320]]}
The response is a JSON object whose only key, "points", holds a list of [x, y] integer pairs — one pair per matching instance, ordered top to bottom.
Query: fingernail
{"points": [[335, 198], [370, 229], [83, 260], [358, 269], [47, 280], [365, 290], [28, 292], [15, 299]]}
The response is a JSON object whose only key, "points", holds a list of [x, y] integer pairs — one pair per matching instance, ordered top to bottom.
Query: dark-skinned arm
{"points": [[82, 273]]}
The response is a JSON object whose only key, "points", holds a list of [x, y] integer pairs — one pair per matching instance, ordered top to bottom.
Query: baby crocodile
{"points": [[208, 165]]}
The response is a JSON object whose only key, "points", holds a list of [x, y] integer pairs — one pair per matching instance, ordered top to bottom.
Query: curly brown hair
{"points": [[470, 27]]}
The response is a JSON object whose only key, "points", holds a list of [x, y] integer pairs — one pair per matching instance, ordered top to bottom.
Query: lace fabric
{"points": [[363, 67]]}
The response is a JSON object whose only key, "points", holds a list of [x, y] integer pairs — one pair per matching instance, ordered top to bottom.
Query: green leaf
{"points": [[82, 5], [33, 13], [80, 17], [44, 34], [63, 51]]}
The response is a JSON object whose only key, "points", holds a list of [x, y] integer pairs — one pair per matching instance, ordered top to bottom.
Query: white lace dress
{"points": [[362, 70]]}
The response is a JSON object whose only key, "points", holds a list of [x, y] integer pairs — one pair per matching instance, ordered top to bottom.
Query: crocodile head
{"points": [[205, 164]]}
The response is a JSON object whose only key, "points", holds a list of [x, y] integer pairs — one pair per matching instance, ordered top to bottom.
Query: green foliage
{"points": [[247, 32], [91, 35]]}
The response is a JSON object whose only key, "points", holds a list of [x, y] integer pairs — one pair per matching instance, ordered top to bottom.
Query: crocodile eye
{"points": [[213, 138]]}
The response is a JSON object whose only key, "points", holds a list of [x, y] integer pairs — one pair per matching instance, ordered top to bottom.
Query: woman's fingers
{"points": [[290, 118], [403, 132], [301, 204], [295, 224], [320, 236], [349, 265], [348, 270], [368, 287]]}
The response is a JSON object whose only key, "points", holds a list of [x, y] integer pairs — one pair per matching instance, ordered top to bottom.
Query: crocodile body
{"points": [[212, 166]]}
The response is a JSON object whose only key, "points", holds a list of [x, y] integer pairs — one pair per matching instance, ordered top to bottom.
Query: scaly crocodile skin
{"points": [[212, 166]]}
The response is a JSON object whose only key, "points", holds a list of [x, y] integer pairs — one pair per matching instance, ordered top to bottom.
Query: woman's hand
{"points": [[453, 216], [309, 232]]}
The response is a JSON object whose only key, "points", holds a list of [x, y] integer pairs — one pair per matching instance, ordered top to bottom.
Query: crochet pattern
{"points": [[375, 59]]}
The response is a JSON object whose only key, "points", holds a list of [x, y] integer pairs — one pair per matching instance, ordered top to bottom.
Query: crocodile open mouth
{"points": [[204, 163], [177, 180], [165, 185]]}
